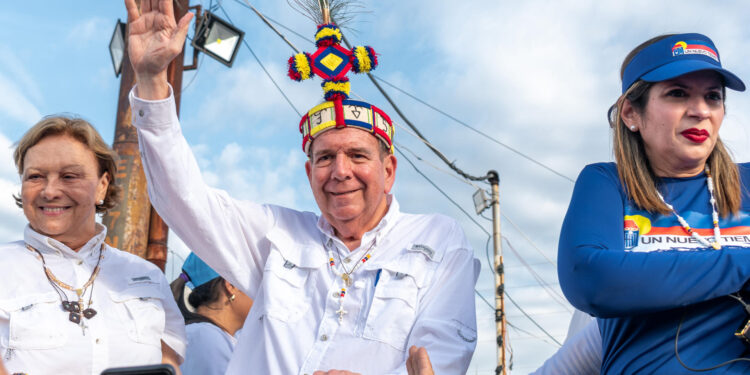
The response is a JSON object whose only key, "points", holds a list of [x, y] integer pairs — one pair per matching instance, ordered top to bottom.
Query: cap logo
{"points": [[694, 48]]}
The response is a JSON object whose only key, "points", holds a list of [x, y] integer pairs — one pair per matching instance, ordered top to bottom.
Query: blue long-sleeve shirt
{"points": [[639, 273]]}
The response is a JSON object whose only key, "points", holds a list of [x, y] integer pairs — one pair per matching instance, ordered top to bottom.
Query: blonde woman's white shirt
{"points": [[417, 289], [135, 309], [208, 351]]}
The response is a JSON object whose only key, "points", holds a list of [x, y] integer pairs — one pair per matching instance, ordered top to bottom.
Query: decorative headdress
{"points": [[332, 62]]}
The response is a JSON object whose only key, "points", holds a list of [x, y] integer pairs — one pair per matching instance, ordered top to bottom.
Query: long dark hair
{"points": [[205, 294]]}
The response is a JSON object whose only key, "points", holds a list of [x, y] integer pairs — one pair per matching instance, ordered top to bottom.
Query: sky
{"points": [[537, 76]]}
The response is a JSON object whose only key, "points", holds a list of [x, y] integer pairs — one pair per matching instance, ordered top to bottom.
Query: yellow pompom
{"points": [[328, 32], [363, 58], [303, 66], [337, 86]]}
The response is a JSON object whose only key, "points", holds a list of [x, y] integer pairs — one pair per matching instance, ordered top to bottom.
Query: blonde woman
{"points": [[70, 303]]}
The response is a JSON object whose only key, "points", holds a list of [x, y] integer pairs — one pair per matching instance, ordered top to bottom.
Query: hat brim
{"points": [[678, 68]]}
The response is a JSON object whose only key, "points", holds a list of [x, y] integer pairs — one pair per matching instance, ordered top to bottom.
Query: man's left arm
{"points": [[446, 324]]}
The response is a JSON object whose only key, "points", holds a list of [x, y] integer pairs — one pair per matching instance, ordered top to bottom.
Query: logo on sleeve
{"points": [[424, 249]]}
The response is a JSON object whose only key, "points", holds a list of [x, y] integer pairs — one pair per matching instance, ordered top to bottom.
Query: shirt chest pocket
{"points": [[284, 289], [393, 309], [141, 312], [34, 322]]}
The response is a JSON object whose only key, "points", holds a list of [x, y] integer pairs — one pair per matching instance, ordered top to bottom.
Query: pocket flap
{"points": [[305, 255], [412, 264], [287, 270], [398, 285], [134, 293], [13, 304]]}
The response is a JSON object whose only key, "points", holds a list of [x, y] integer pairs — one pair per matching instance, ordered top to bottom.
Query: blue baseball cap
{"points": [[674, 56], [198, 271]]}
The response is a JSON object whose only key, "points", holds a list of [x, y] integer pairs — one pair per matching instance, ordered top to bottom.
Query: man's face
{"points": [[350, 179]]}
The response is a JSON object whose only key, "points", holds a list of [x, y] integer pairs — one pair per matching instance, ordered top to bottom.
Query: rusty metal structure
{"points": [[134, 226]]}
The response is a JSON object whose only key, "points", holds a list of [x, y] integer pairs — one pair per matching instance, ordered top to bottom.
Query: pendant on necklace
{"points": [[347, 279], [341, 312], [89, 313], [74, 317]]}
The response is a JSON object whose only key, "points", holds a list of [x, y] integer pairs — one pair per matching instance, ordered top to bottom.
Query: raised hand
{"points": [[154, 40], [418, 362]]}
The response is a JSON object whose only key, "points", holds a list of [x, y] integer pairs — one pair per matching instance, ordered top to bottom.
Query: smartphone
{"points": [[161, 369]]}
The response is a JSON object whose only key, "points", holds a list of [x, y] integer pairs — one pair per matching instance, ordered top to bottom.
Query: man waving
{"points": [[351, 290]]}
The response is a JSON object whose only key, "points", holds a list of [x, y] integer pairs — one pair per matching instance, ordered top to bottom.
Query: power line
{"points": [[247, 5], [271, 26], [244, 41], [373, 77], [419, 134], [485, 135], [437, 152], [443, 170], [443, 192], [488, 234], [552, 262], [551, 291], [532, 320], [531, 335]]}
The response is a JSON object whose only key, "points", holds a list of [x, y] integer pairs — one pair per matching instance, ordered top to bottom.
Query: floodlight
{"points": [[218, 38], [117, 47]]}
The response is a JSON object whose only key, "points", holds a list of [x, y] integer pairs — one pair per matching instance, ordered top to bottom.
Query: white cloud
{"points": [[94, 29], [15, 105], [12, 220]]}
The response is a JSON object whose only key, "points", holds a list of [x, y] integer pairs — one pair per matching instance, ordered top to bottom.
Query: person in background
{"points": [[656, 245], [349, 290], [70, 303], [217, 310], [581, 352]]}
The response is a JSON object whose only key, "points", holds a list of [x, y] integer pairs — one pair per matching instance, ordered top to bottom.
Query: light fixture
{"points": [[218, 38], [117, 47], [480, 201]]}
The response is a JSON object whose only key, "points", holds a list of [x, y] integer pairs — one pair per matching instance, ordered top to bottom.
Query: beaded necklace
{"points": [[714, 216], [346, 277], [75, 309]]}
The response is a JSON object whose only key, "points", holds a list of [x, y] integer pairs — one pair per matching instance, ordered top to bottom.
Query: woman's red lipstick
{"points": [[695, 135]]}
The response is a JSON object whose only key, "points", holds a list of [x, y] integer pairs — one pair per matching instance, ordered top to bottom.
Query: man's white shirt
{"points": [[417, 289]]}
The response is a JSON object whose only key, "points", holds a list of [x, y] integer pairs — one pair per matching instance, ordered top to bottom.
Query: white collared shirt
{"points": [[422, 264], [134, 305]]}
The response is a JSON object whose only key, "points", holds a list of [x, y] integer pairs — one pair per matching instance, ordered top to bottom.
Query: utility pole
{"points": [[494, 180], [134, 226]]}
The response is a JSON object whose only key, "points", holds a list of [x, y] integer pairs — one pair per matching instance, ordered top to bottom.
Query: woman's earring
{"points": [[632, 127], [100, 202], [232, 297]]}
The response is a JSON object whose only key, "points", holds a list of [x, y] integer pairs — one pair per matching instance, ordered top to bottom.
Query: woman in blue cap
{"points": [[656, 245], [217, 311]]}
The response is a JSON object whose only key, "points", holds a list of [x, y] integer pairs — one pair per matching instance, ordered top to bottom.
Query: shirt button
{"points": [[140, 113], [347, 260], [79, 262], [335, 295], [324, 338], [97, 341]]}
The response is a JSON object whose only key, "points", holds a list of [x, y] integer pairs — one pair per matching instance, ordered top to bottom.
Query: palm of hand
{"points": [[151, 42]]}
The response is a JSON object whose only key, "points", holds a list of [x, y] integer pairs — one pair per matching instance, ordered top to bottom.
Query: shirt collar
{"points": [[384, 226], [47, 245]]}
